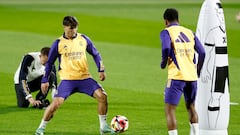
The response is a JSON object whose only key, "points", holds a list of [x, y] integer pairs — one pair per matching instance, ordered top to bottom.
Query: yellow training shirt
{"points": [[181, 65]]}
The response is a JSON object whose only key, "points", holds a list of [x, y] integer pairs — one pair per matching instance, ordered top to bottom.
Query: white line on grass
{"points": [[234, 103]]}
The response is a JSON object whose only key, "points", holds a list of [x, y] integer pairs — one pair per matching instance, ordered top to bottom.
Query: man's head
{"points": [[170, 15], [70, 25], [44, 55]]}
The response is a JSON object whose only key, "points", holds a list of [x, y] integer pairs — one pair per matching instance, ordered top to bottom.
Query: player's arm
{"points": [[166, 44], [91, 49], [201, 54], [52, 56], [26, 62]]}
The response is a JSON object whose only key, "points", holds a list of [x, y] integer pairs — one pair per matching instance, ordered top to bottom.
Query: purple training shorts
{"points": [[68, 87], [175, 88]]}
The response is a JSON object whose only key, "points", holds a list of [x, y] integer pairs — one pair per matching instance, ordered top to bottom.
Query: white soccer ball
{"points": [[119, 123]]}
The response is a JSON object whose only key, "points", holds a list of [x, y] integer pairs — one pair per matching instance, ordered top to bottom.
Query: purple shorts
{"points": [[68, 87], [175, 88]]}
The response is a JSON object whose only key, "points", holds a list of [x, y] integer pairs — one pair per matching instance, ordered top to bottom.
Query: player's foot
{"points": [[106, 129], [39, 131]]}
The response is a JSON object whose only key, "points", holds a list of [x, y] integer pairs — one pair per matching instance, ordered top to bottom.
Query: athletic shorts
{"points": [[68, 87], [175, 88]]}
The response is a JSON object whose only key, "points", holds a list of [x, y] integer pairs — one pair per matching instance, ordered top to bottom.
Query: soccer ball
{"points": [[119, 123]]}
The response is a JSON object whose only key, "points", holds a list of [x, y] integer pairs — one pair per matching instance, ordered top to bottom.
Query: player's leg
{"points": [[92, 88], [65, 89], [190, 92], [101, 97], [172, 97], [21, 101], [48, 114], [171, 118], [193, 118]]}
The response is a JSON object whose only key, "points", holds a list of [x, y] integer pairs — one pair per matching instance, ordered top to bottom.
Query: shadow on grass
{"points": [[8, 109], [7, 132], [18, 132], [71, 133]]}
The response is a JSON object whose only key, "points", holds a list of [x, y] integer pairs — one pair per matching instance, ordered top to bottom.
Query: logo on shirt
{"points": [[182, 38], [65, 47], [73, 55]]}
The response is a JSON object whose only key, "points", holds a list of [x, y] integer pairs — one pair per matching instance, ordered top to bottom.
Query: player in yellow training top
{"points": [[71, 49], [178, 52]]}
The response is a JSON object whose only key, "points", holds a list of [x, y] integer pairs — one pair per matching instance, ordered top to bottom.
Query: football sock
{"points": [[102, 120], [43, 124], [191, 129], [194, 130], [173, 132]]}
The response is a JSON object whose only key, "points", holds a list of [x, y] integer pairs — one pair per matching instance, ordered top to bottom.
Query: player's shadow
{"points": [[8, 109], [19, 132], [71, 133]]}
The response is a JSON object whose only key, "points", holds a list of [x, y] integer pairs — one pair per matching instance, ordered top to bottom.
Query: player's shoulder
{"points": [[164, 33], [84, 36], [88, 40], [55, 43], [33, 54]]}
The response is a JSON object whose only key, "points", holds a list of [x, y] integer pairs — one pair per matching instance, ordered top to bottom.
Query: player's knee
{"points": [[102, 97], [56, 103], [193, 116]]}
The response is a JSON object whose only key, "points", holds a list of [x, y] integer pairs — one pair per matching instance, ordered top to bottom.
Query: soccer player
{"points": [[70, 49], [178, 52], [28, 78]]}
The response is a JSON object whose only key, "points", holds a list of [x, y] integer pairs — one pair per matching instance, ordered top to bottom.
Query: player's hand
{"points": [[102, 76], [44, 87], [34, 102]]}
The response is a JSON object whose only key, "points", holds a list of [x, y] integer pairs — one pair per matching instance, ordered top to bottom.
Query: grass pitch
{"points": [[126, 32]]}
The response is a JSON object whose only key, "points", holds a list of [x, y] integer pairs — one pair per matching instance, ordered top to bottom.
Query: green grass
{"points": [[127, 35]]}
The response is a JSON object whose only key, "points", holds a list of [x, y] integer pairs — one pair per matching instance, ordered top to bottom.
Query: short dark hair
{"points": [[170, 14], [70, 21], [45, 51]]}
